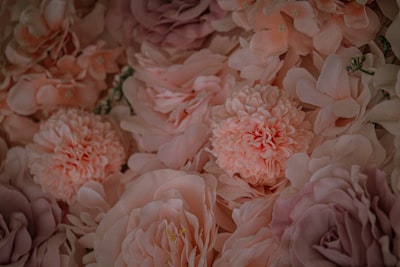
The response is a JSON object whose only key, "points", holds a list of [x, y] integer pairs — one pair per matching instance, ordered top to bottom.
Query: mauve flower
{"points": [[183, 24], [256, 131], [71, 148], [345, 216], [165, 217], [29, 219], [252, 243]]}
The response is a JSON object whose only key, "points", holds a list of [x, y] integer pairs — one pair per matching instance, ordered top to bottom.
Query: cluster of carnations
{"points": [[224, 133]]}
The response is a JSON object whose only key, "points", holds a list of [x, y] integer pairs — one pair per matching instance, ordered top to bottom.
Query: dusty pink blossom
{"points": [[344, 21], [183, 24], [42, 32], [38, 91], [172, 94], [339, 98], [256, 131], [71, 148], [93, 200], [345, 216], [165, 217], [29, 219], [252, 243]]}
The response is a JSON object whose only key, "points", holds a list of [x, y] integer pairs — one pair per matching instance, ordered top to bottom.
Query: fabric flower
{"points": [[350, 21], [182, 24], [42, 32], [172, 95], [340, 99], [256, 131], [71, 148], [93, 201], [345, 216], [165, 217], [29, 219], [252, 243]]}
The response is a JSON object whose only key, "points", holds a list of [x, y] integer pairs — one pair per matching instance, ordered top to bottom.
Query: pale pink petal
{"points": [[328, 39], [269, 42], [334, 80], [22, 98], [346, 108]]}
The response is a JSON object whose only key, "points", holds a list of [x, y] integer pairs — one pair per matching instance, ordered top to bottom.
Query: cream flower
{"points": [[256, 131], [71, 148]]}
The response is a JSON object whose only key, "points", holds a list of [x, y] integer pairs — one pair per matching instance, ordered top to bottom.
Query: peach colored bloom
{"points": [[349, 21], [42, 32], [99, 61], [38, 91], [172, 94], [340, 99], [256, 131], [72, 148], [93, 200], [164, 218], [252, 243]]}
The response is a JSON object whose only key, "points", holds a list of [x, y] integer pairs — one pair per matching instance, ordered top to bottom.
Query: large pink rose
{"points": [[175, 23], [345, 216], [164, 218], [29, 219]]}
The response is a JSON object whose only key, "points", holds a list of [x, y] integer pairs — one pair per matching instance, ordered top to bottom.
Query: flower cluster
{"points": [[217, 133]]}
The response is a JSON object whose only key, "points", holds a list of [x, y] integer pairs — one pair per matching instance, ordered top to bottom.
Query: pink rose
{"points": [[182, 24], [345, 216], [165, 217], [29, 218]]}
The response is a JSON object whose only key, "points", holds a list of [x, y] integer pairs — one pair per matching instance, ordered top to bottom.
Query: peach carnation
{"points": [[256, 131], [71, 148]]}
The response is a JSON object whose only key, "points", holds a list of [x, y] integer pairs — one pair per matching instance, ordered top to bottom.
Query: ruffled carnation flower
{"points": [[256, 131], [71, 148], [345, 216], [164, 218]]}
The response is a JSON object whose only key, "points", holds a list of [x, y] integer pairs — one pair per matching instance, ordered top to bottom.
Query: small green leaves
{"points": [[357, 64]]}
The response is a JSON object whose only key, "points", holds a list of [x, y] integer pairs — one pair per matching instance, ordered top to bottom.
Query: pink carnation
{"points": [[256, 131], [71, 148]]}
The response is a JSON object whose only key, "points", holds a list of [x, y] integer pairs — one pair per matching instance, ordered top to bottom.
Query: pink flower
{"points": [[349, 21], [175, 23], [42, 32], [38, 91], [172, 95], [340, 99], [256, 131], [71, 148], [93, 200], [345, 216], [165, 217], [29, 219], [252, 243]]}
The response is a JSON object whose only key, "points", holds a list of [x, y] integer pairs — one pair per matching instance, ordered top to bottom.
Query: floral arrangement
{"points": [[199, 133]]}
